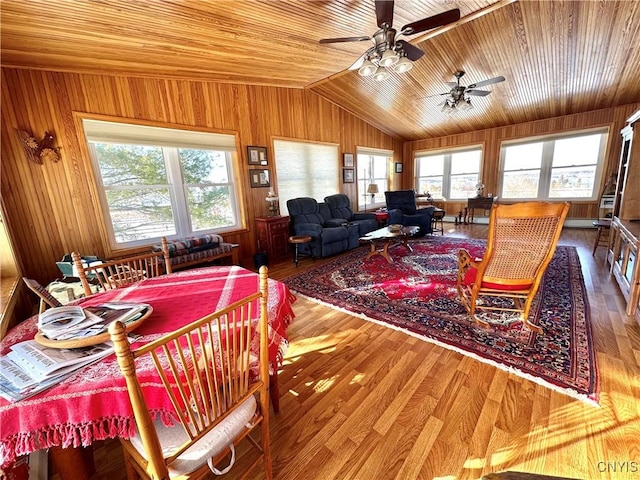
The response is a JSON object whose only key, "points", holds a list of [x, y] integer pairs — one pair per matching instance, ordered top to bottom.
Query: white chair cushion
{"points": [[210, 445]]}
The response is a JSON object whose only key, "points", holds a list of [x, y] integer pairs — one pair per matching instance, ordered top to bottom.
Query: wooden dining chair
{"points": [[521, 241], [122, 271], [46, 299], [219, 390]]}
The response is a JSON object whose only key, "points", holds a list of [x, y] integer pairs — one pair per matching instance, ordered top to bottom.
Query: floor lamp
{"points": [[372, 190]]}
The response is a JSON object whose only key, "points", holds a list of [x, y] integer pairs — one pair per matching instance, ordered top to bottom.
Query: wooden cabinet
{"points": [[273, 236], [624, 243], [623, 258]]}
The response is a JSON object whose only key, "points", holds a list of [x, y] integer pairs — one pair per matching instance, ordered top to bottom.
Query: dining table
{"points": [[93, 403]]}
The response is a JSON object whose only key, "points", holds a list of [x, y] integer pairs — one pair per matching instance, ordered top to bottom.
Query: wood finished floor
{"points": [[361, 401]]}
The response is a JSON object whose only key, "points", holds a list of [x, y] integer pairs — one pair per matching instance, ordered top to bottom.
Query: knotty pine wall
{"points": [[490, 139], [50, 208]]}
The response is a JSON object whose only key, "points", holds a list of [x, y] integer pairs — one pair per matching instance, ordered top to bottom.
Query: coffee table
{"points": [[389, 238]]}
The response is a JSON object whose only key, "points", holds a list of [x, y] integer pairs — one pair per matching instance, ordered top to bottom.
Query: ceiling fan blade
{"points": [[384, 12], [428, 23], [344, 39], [412, 52], [489, 81], [477, 93]]}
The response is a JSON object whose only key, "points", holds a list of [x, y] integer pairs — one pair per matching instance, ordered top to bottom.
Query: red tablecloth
{"points": [[93, 404]]}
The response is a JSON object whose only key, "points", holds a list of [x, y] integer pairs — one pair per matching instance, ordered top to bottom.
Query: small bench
{"points": [[185, 252]]}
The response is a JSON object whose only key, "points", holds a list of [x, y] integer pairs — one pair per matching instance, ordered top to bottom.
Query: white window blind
{"points": [[305, 170]]}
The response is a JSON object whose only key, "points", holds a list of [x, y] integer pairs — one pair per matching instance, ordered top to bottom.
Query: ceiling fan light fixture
{"points": [[389, 58], [403, 65], [367, 69], [381, 74], [466, 104]]}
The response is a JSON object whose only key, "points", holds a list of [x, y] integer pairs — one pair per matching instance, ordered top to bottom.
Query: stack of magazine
{"points": [[70, 322], [29, 367]]}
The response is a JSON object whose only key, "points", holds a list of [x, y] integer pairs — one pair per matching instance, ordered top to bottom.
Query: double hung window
{"points": [[558, 167], [373, 168], [448, 174], [157, 182]]}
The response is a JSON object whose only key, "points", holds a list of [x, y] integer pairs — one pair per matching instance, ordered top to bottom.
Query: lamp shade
{"points": [[389, 57], [403, 65], [367, 69], [381, 74], [373, 188]]}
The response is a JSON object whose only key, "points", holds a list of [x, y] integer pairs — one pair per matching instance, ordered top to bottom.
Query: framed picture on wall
{"points": [[257, 155], [348, 160], [398, 168], [348, 175], [259, 178]]}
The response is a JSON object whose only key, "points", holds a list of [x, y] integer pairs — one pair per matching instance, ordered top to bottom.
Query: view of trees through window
{"points": [[155, 191]]}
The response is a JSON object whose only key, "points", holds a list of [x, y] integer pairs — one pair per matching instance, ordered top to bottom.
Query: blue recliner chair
{"points": [[340, 208], [402, 209], [309, 217]]}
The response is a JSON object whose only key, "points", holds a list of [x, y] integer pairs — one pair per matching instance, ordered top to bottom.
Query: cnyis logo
{"points": [[618, 467]]}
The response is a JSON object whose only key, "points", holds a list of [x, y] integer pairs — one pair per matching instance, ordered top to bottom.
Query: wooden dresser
{"points": [[273, 236]]}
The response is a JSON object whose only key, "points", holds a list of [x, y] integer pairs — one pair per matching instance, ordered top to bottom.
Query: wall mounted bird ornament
{"points": [[38, 151]]}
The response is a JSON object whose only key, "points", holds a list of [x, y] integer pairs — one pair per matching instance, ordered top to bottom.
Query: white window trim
{"points": [[111, 132], [547, 159], [446, 173], [386, 180]]}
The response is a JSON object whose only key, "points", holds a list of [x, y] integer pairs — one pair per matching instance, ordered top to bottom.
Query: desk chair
{"points": [[521, 241], [121, 272], [46, 299], [212, 379]]}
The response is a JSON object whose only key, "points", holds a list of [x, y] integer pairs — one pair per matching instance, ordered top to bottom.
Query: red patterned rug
{"points": [[417, 294]]}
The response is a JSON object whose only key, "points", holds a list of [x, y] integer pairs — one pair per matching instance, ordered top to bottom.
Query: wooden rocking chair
{"points": [[521, 241]]}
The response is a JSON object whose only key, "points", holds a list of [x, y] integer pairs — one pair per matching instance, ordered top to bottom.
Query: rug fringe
{"points": [[566, 391]]}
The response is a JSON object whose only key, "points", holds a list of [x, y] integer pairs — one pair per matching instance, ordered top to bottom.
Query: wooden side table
{"points": [[484, 203], [437, 216], [273, 233], [296, 240]]}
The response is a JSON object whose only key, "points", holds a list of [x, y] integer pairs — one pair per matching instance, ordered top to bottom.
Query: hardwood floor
{"points": [[361, 401]]}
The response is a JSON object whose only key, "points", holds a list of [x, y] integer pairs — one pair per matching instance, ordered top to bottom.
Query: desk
{"points": [[484, 203], [93, 404]]}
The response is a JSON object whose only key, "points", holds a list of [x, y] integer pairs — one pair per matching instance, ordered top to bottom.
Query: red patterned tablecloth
{"points": [[93, 404]]}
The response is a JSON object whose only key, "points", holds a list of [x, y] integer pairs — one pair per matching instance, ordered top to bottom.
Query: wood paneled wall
{"points": [[491, 139], [50, 208]]}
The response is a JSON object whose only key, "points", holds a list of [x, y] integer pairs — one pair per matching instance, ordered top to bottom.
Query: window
{"points": [[558, 167], [372, 169], [305, 170], [451, 174], [158, 182]]}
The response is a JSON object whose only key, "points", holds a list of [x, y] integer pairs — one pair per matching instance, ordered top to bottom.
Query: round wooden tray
{"points": [[88, 341]]}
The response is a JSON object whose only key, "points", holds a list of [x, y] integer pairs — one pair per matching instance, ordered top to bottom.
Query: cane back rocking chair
{"points": [[521, 241], [212, 379]]}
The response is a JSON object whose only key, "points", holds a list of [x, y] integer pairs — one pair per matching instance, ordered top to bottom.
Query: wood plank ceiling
{"points": [[558, 57]]}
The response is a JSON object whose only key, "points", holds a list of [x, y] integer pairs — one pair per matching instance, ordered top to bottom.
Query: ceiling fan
{"points": [[387, 51], [459, 97]]}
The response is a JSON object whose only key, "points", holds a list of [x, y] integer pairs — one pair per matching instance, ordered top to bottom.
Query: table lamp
{"points": [[372, 189], [274, 207]]}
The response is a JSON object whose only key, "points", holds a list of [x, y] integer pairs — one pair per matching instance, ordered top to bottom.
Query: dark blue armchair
{"points": [[340, 208], [402, 209], [309, 217]]}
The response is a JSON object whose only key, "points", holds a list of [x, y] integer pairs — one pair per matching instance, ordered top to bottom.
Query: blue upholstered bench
{"points": [[185, 252]]}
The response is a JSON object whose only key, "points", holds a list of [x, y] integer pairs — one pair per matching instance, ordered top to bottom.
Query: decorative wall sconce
{"points": [[38, 151]]}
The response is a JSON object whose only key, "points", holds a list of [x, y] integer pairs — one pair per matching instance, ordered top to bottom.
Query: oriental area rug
{"points": [[417, 294]]}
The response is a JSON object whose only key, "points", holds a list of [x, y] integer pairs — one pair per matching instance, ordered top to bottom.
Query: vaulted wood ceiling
{"points": [[558, 57]]}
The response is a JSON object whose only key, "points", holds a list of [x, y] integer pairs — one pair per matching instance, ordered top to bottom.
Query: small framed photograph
{"points": [[257, 155], [348, 160], [398, 168], [348, 175], [259, 178]]}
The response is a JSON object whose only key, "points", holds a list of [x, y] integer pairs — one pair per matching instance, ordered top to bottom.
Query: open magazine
{"points": [[70, 322], [30, 367]]}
